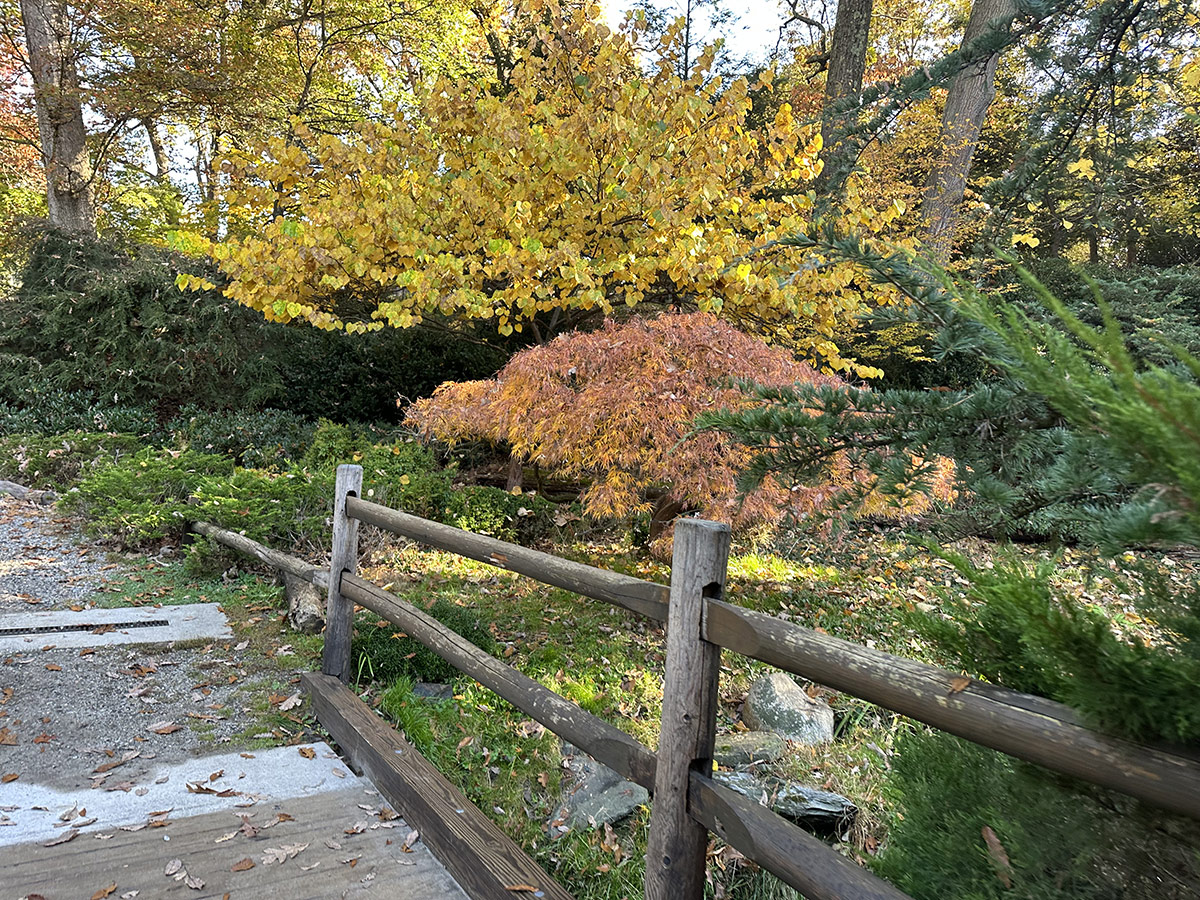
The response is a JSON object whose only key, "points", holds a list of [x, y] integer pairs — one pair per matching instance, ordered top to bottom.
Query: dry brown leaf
{"points": [[54, 667], [959, 683], [291, 702], [166, 727], [7, 738], [308, 752], [10, 777], [68, 835], [999, 857], [243, 865], [172, 867], [522, 888], [104, 892]]}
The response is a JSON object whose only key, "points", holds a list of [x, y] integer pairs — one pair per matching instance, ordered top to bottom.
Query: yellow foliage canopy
{"points": [[585, 185]]}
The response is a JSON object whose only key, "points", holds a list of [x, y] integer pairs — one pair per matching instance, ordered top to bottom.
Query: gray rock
{"points": [[306, 605], [429, 691], [776, 703], [741, 749], [596, 795], [792, 800]]}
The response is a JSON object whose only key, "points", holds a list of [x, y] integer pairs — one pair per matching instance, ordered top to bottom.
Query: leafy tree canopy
{"points": [[580, 186]]}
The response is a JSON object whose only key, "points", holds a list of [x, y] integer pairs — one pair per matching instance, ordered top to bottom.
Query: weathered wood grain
{"points": [[282, 561], [645, 598], [339, 612], [1021, 725], [593, 735], [677, 845], [135, 861], [485, 862], [813, 868]]}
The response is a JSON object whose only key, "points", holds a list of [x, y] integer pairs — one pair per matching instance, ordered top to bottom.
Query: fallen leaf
{"points": [[55, 667], [959, 684], [291, 702], [165, 727], [7, 738], [306, 752], [10, 777], [68, 835], [410, 841], [999, 857], [243, 865], [172, 867], [193, 882], [521, 888], [104, 892]]}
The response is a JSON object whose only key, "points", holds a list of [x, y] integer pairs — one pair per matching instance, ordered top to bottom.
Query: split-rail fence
{"points": [[687, 803]]}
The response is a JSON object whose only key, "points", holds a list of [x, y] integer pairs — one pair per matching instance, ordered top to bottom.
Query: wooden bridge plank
{"points": [[485, 861]]}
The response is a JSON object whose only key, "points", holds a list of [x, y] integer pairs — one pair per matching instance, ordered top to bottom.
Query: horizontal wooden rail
{"points": [[282, 561], [646, 598], [1021, 725], [607, 743], [761, 835], [792, 854]]}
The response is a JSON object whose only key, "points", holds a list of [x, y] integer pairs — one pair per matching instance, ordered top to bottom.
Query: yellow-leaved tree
{"points": [[582, 184]]}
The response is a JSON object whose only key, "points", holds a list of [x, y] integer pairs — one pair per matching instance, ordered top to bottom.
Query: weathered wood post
{"points": [[339, 612], [677, 844]]}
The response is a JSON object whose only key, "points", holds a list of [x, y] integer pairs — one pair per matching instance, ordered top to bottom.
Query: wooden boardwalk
{"points": [[330, 848]]}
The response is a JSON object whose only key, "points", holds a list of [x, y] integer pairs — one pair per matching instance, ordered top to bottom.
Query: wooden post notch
{"points": [[339, 612], [675, 853]]}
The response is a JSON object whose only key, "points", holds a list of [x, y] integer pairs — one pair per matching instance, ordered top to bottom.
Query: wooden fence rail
{"points": [[687, 802]]}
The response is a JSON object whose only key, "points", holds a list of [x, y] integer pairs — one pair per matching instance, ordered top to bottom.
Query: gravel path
{"points": [[45, 563], [66, 712]]}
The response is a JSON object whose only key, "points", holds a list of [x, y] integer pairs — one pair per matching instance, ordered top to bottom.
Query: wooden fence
{"points": [[687, 803]]}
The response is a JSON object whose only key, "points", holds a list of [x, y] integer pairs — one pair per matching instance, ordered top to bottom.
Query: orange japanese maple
{"points": [[614, 407]]}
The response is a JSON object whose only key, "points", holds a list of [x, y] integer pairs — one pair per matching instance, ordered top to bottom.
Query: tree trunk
{"points": [[847, 61], [967, 103], [60, 115], [162, 165]]}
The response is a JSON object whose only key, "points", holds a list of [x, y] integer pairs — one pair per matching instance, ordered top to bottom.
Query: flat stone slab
{"points": [[104, 627], [29, 811], [321, 847]]}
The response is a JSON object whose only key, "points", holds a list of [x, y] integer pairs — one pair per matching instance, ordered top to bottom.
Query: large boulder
{"points": [[776, 703], [744, 748], [595, 795], [813, 808]]}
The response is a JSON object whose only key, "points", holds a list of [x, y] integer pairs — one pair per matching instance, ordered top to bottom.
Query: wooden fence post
{"points": [[339, 612], [677, 844]]}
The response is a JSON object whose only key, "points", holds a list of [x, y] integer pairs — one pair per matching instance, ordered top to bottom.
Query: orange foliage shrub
{"points": [[615, 407]]}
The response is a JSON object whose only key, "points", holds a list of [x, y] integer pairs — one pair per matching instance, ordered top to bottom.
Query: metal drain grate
{"points": [[83, 626]]}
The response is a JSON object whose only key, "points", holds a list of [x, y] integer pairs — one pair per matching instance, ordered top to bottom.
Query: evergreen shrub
{"points": [[257, 439], [57, 461], [143, 498], [281, 510], [520, 518]]}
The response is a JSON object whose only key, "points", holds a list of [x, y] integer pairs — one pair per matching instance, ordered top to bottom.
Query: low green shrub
{"points": [[48, 411], [262, 439], [57, 461], [401, 472], [144, 497], [281, 510], [522, 518], [381, 652], [414, 715]]}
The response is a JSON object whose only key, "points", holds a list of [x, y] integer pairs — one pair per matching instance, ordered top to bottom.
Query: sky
{"points": [[753, 35]]}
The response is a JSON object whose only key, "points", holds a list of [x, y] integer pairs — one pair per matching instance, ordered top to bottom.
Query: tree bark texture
{"points": [[847, 62], [970, 94], [60, 115]]}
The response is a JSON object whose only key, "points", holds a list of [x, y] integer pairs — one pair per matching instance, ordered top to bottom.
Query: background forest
{"points": [[908, 293]]}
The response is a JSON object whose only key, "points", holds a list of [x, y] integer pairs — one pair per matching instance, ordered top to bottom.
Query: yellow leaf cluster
{"points": [[586, 184]]}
